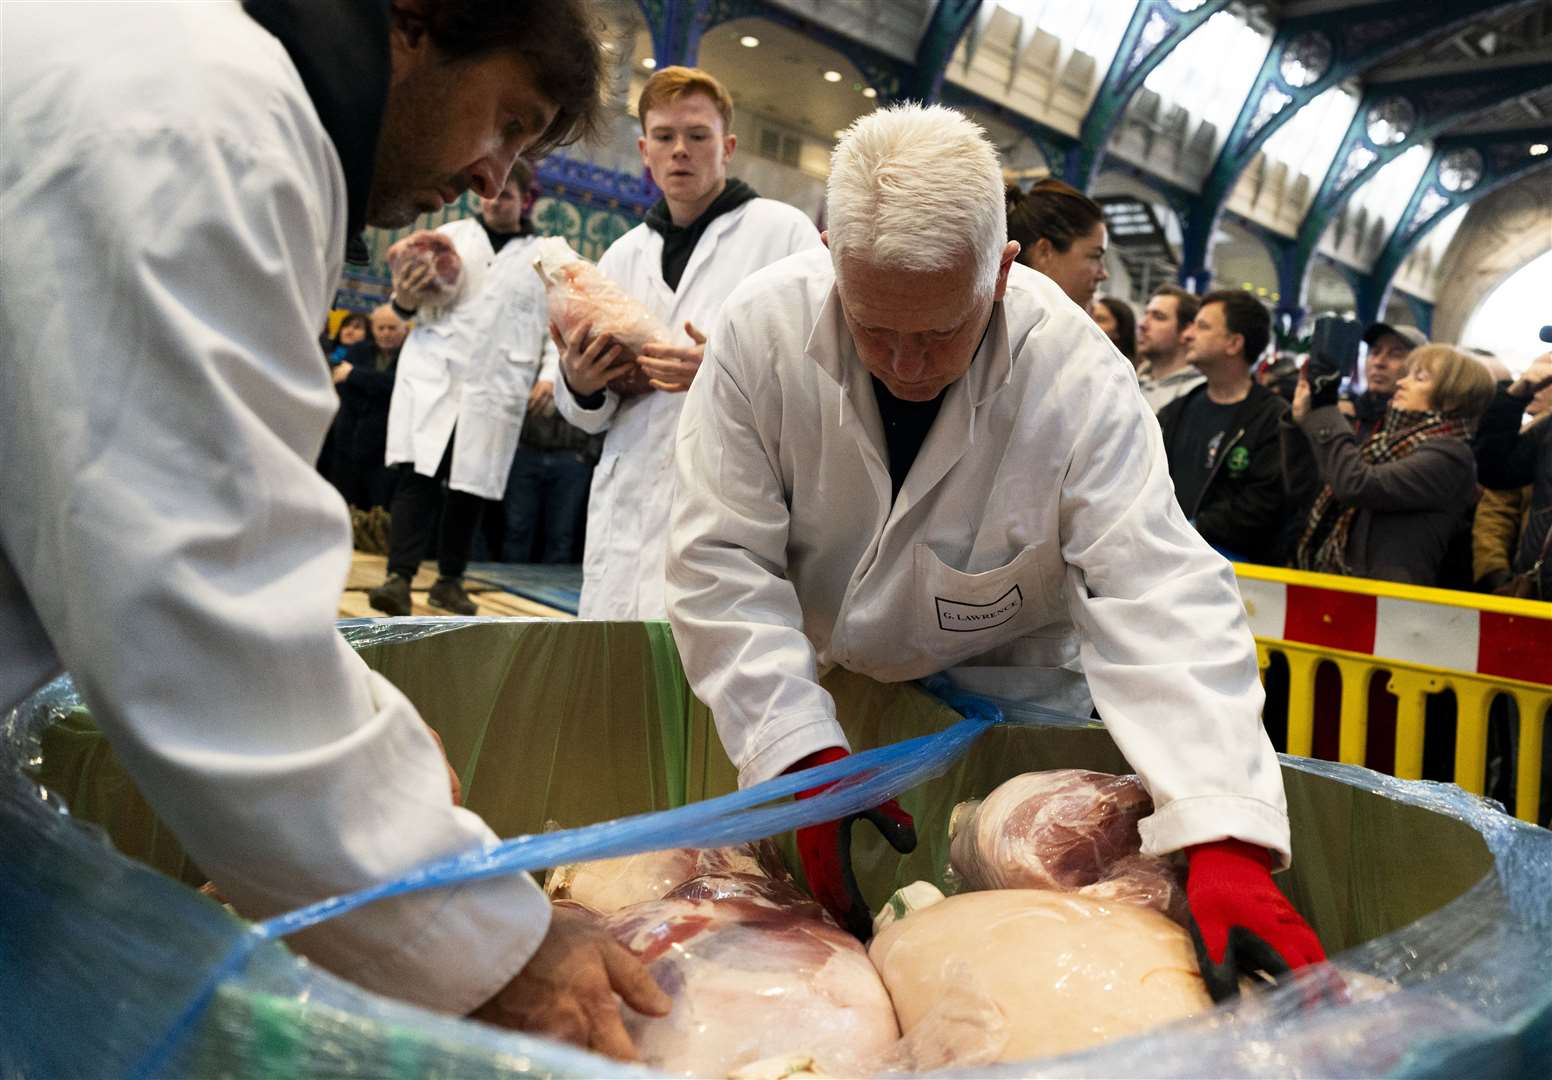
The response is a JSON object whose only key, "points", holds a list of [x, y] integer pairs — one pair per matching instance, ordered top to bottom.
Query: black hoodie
{"points": [[679, 240], [1242, 510]]}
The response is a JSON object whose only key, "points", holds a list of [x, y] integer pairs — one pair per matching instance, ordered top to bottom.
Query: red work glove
{"points": [[826, 851], [1241, 923]]}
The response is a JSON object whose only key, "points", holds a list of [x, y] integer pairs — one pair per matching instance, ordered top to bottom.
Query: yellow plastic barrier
{"points": [[1423, 639]]}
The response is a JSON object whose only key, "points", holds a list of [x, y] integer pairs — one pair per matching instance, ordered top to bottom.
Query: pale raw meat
{"points": [[437, 251], [578, 293], [1066, 829], [606, 885], [756, 971], [1057, 972]]}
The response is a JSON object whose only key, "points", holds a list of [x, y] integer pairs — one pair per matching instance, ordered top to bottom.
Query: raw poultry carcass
{"points": [[580, 293], [756, 971], [1045, 972]]}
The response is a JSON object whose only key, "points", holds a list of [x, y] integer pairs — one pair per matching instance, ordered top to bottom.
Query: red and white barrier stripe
{"points": [[1413, 631]]}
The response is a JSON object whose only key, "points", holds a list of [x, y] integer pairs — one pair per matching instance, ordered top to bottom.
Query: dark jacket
{"points": [[361, 428], [1509, 458], [1241, 510], [1408, 510]]}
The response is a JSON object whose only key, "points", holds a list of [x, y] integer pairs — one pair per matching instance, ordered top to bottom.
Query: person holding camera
{"points": [[1508, 459], [1387, 506]]}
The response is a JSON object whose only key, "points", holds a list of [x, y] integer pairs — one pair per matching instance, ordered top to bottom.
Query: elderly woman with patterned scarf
{"points": [[1388, 507]]}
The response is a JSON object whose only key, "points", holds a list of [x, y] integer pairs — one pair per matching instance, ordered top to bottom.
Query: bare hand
{"points": [[410, 282], [590, 362], [672, 367], [342, 371], [1535, 378], [541, 395], [1301, 398], [452, 777], [567, 990]]}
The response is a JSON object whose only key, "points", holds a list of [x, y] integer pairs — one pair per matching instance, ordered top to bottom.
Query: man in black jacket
{"points": [[1221, 438]]}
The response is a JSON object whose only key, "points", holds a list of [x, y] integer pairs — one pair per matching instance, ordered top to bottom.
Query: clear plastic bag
{"points": [[434, 251], [579, 293], [1066, 830], [756, 971], [1068, 972]]}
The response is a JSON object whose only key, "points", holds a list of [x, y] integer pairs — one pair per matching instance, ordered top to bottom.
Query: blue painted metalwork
{"points": [[950, 20], [1154, 32], [1357, 39], [1435, 103], [1052, 143], [1500, 158], [580, 181], [1422, 312]]}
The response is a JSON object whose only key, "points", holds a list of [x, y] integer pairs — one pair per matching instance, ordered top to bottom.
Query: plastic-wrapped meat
{"points": [[435, 250], [578, 292], [1066, 829], [1143, 879], [606, 885], [756, 971], [1052, 972]]}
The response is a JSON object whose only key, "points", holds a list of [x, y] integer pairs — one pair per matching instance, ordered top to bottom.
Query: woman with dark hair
{"points": [[1061, 233], [1115, 318], [352, 331], [1388, 508]]}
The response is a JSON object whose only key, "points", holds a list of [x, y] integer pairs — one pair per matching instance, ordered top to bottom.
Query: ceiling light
{"points": [[749, 41], [648, 63], [832, 76], [869, 92], [1537, 149]]}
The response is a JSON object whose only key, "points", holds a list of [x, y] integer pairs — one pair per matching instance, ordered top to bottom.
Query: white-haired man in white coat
{"points": [[908, 455]]}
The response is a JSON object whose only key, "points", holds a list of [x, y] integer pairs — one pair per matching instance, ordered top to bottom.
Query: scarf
{"points": [[1323, 547]]}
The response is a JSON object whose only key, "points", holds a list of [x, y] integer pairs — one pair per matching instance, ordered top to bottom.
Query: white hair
{"points": [[917, 187]]}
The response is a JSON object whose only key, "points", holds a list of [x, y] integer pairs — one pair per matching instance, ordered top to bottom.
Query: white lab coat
{"points": [[174, 218], [472, 364], [627, 513], [1037, 528]]}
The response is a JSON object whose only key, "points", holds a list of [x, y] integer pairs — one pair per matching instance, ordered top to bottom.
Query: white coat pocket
{"points": [[960, 615]]}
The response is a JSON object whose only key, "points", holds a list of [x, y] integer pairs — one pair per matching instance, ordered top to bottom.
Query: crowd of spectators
{"points": [[1432, 466], [1416, 471]]}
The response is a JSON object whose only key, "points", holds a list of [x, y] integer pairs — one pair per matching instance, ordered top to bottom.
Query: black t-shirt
{"points": [[906, 424], [1204, 425]]}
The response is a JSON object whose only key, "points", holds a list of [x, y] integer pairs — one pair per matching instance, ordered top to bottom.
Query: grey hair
{"points": [[917, 187]]}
